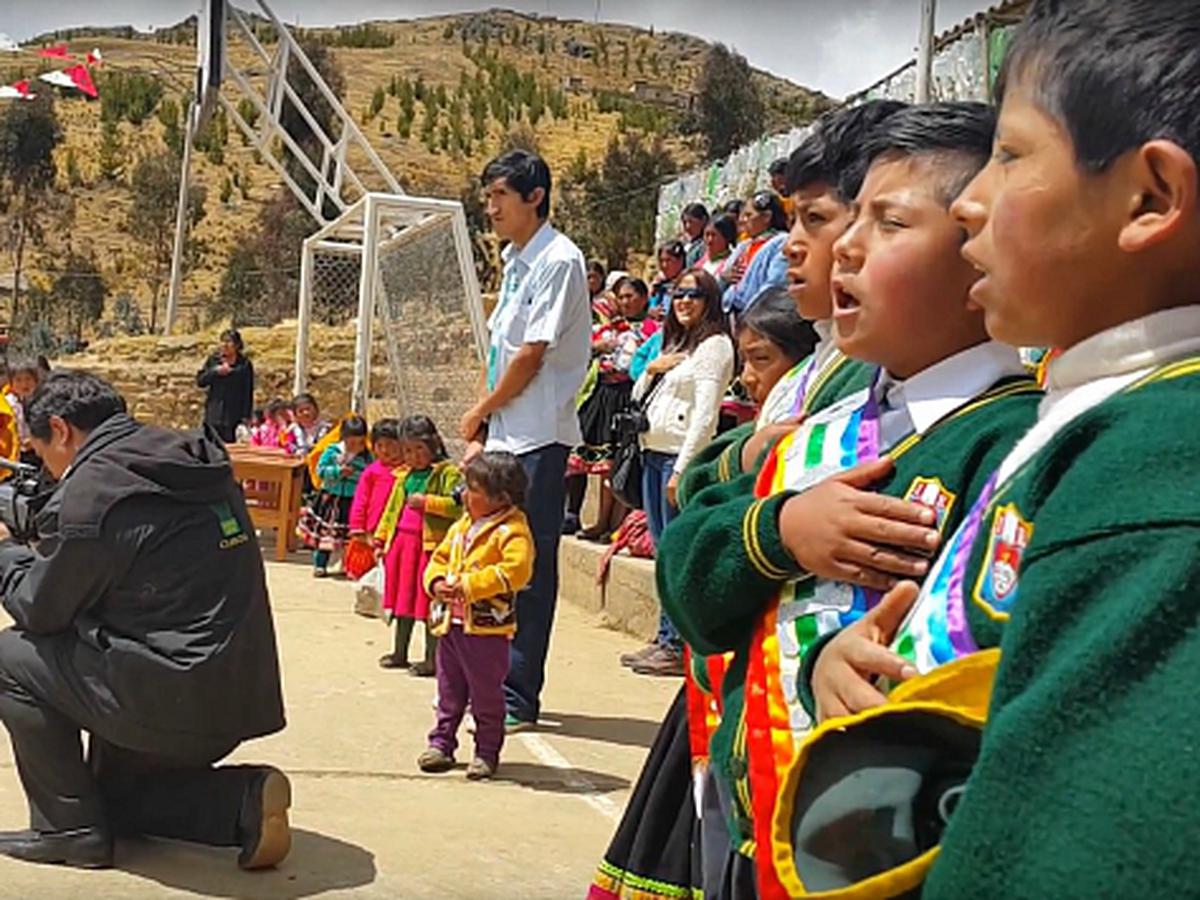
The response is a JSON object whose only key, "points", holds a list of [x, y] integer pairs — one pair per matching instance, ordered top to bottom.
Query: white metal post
{"points": [[925, 51], [180, 224], [366, 307], [303, 318]]}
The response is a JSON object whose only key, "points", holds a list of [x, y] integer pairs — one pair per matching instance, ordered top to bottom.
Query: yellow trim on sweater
{"points": [[754, 551]]}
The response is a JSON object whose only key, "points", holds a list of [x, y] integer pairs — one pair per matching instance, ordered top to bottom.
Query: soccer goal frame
{"points": [[375, 225]]}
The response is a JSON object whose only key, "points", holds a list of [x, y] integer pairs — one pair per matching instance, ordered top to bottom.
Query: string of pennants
{"points": [[77, 77]]}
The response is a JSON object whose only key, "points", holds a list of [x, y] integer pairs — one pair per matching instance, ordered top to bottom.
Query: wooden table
{"points": [[273, 482]]}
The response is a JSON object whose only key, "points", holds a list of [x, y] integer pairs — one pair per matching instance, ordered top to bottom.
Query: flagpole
{"points": [[925, 51], [180, 223]]}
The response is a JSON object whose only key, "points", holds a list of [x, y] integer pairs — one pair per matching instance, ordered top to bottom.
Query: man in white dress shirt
{"points": [[538, 354]]}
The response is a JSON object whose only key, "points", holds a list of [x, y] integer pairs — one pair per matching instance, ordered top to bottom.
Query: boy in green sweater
{"points": [[824, 174], [1086, 227], [764, 574]]}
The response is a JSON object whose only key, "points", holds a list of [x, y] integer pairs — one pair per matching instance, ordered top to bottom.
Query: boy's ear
{"points": [[1164, 180]]}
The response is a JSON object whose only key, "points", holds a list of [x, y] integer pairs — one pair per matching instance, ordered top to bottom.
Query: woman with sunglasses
{"points": [[681, 392]]}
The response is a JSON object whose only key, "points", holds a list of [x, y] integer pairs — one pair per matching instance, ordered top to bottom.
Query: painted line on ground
{"points": [[587, 792]]}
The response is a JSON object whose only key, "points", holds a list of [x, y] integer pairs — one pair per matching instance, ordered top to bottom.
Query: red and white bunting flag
{"points": [[57, 52], [94, 58], [74, 77], [17, 91]]}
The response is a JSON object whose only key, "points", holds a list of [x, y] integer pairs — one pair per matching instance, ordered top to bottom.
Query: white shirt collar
{"points": [[527, 254], [1129, 347], [935, 392]]}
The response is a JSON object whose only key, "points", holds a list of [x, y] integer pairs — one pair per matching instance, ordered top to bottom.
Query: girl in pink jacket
{"points": [[374, 488]]}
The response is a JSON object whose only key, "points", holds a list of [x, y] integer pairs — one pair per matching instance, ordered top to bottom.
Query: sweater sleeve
{"points": [[712, 373], [719, 461], [329, 468], [362, 499], [442, 504], [721, 561], [507, 576], [1087, 771]]}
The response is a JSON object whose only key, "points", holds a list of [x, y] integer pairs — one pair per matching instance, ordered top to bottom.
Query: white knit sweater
{"points": [[686, 406]]}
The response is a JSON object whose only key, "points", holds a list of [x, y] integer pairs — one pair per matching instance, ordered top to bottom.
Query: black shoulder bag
{"points": [[628, 426]]}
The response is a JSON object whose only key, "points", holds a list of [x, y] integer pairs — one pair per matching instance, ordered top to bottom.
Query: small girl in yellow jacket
{"points": [[473, 579]]}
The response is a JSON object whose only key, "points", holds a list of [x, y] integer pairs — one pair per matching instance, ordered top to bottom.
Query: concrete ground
{"points": [[366, 822]]}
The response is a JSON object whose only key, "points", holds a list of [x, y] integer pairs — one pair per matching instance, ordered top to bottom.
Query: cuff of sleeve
{"points": [[729, 466], [763, 542], [804, 680]]}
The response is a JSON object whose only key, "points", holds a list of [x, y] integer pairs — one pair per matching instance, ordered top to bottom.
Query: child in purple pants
{"points": [[473, 577]]}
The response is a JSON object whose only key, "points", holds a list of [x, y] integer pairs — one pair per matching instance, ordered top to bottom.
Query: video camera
{"points": [[18, 510]]}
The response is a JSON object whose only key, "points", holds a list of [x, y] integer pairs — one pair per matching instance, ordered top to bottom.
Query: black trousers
{"points": [[125, 784]]}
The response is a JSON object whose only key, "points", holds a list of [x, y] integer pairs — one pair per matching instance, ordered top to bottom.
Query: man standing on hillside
{"points": [[540, 335]]}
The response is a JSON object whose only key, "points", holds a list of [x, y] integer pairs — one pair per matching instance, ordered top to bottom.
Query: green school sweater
{"points": [[721, 460], [728, 561], [1089, 777]]}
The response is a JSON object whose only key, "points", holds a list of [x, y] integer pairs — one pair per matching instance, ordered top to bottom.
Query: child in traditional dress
{"points": [[24, 378], [307, 427], [272, 430], [375, 488], [419, 512], [325, 524], [1080, 561], [475, 575]]}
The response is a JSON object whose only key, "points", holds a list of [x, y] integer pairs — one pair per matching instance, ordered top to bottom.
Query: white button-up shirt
{"points": [[544, 299]]}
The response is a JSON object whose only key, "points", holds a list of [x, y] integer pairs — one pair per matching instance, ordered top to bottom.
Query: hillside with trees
{"points": [[88, 188]]}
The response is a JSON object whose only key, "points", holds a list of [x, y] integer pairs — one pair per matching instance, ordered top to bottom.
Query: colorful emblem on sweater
{"points": [[930, 492], [996, 588]]}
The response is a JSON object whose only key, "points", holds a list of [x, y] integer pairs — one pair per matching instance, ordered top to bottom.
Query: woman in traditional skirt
{"points": [[613, 346], [325, 524]]}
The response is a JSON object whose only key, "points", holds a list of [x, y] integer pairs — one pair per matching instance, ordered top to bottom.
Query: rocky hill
{"points": [[417, 88]]}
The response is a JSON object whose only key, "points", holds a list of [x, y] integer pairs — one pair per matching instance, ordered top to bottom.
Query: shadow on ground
{"points": [[610, 729], [559, 781], [317, 864]]}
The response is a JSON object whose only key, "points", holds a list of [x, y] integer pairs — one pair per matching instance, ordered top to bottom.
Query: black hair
{"points": [[1114, 75], [956, 135], [832, 154], [779, 167], [524, 172], [769, 200], [733, 207], [695, 211], [726, 226], [673, 248], [595, 267], [637, 284], [774, 317], [234, 337], [675, 337], [27, 367], [79, 398], [306, 398], [277, 405], [354, 426], [421, 428], [385, 430], [498, 474]]}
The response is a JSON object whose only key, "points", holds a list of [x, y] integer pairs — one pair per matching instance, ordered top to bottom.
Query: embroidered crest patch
{"points": [[932, 493], [996, 588]]}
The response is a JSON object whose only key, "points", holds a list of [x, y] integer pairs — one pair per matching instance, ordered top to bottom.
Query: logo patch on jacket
{"points": [[932, 493], [996, 588]]}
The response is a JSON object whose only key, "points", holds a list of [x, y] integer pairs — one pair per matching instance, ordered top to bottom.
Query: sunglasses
{"points": [[688, 294]]}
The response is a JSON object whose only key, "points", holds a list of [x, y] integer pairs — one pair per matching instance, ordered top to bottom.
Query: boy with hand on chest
{"points": [[823, 174], [862, 491], [1080, 559]]}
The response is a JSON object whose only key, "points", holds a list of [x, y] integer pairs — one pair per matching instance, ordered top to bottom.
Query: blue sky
{"points": [[837, 46]]}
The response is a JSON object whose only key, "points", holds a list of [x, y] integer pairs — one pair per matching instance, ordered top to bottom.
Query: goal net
{"points": [[420, 343]]}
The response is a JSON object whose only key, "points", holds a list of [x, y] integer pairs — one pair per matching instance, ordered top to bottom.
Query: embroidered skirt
{"points": [[595, 455], [325, 522]]}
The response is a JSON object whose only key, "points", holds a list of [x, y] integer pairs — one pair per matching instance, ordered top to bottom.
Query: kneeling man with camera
{"points": [[141, 618]]}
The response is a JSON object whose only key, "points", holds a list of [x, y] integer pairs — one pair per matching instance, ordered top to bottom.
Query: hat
{"points": [[862, 809]]}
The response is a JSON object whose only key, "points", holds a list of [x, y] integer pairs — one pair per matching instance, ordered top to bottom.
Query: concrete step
{"points": [[626, 602]]}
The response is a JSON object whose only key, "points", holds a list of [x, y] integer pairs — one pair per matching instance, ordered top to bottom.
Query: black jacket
{"points": [[230, 398], [149, 559]]}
